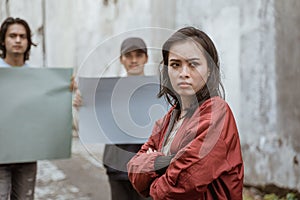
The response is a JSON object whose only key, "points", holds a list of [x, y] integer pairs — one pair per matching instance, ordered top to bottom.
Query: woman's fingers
{"points": [[151, 151]]}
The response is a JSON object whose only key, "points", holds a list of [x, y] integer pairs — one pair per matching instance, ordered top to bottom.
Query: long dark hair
{"points": [[4, 27], [213, 87]]}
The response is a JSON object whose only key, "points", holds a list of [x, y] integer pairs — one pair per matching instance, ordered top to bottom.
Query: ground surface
{"points": [[82, 177]]}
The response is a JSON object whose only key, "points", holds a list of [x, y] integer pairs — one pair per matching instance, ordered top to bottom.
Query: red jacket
{"points": [[208, 162]]}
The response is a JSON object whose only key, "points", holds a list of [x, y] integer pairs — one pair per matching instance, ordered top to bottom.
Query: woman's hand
{"points": [[151, 151]]}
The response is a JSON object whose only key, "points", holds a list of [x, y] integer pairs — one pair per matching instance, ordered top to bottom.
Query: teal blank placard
{"points": [[35, 114]]}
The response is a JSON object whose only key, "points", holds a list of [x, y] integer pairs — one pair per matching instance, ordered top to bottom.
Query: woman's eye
{"points": [[194, 64], [174, 65]]}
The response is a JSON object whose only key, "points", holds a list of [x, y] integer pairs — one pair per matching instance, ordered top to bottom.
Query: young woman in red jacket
{"points": [[194, 150]]}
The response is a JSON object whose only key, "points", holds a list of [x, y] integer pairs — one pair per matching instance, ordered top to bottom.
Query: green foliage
{"points": [[289, 196], [246, 197], [271, 197]]}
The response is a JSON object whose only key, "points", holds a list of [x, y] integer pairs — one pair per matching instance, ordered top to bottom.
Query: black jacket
{"points": [[116, 157]]}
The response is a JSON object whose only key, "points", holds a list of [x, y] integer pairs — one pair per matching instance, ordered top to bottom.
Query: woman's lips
{"points": [[184, 84]]}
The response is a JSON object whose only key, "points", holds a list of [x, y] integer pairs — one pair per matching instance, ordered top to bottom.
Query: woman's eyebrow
{"points": [[188, 59], [192, 59], [174, 60]]}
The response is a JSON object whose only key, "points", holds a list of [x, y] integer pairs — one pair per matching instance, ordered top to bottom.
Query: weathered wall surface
{"points": [[258, 43], [288, 91], [259, 113], [269, 119]]}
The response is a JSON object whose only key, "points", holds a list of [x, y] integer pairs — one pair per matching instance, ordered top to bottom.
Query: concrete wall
{"points": [[258, 43], [269, 73], [288, 92]]}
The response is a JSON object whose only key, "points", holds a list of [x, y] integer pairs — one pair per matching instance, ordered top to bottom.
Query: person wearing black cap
{"points": [[134, 56], [116, 156]]}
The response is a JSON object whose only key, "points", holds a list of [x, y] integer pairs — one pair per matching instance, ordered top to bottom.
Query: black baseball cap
{"points": [[132, 44]]}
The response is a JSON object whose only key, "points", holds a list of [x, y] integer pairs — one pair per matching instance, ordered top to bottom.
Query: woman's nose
{"points": [[185, 71]]}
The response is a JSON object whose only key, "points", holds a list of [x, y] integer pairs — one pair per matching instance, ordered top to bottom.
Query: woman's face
{"points": [[187, 68]]}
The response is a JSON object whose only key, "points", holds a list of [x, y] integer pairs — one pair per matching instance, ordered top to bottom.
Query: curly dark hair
{"points": [[3, 29], [213, 87]]}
